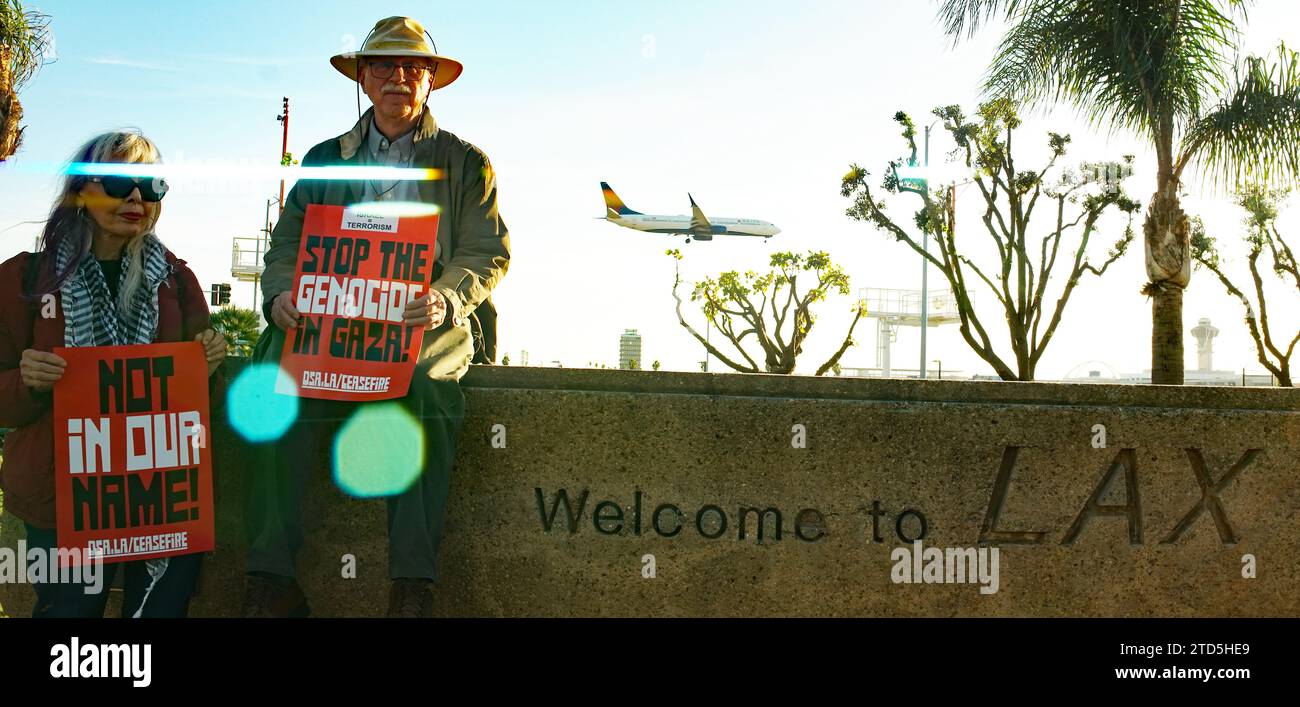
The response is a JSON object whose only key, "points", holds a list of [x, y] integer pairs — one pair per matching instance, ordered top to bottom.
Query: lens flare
{"points": [[249, 172], [395, 209], [256, 411], [379, 451]]}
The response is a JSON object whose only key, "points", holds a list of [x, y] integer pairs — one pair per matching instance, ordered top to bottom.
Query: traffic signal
{"points": [[220, 294]]}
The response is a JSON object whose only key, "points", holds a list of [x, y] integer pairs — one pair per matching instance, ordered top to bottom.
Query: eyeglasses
{"points": [[385, 69], [119, 187]]}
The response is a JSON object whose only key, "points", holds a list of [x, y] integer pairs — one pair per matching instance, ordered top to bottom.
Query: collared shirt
{"points": [[391, 153], [396, 153]]}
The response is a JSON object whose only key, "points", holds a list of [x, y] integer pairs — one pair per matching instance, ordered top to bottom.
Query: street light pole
{"points": [[284, 146], [921, 187], [265, 244]]}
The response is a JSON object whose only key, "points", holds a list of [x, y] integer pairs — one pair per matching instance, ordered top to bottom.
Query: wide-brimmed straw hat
{"points": [[398, 37]]}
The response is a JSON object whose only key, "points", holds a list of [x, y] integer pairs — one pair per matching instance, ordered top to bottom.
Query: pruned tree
{"points": [[25, 43], [1010, 195], [1262, 241], [728, 304]]}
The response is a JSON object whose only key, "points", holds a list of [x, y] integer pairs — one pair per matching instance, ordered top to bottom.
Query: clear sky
{"points": [[754, 107]]}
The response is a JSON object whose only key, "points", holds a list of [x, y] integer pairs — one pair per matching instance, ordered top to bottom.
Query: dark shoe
{"points": [[269, 597], [410, 599]]}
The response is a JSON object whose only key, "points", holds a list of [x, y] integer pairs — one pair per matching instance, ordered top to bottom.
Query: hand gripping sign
{"points": [[356, 273], [133, 470]]}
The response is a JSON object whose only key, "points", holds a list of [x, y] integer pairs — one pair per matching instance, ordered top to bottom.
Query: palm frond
{"points": [[960, 17], [26, 36], [1189, 53], [1142, 66], [1253, 134], [240, 328]]}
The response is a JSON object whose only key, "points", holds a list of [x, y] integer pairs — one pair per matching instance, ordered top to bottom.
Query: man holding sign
{"points": [[377, 289]]}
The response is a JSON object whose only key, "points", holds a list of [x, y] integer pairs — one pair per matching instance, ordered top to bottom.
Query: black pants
{"points": [[415, 515], [169, 597]]}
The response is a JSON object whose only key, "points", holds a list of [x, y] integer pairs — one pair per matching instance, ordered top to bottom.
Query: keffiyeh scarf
{"points": [[92, 317]]}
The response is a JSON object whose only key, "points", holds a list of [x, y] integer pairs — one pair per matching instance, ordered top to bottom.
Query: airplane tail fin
{"points": [[614, 206]]}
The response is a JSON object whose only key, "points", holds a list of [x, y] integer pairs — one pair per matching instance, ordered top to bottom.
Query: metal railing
{"points": [[246, 259], [905, 305]]}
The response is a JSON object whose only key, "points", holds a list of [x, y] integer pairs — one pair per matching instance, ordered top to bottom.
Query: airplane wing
{"points": [[699, 222]]}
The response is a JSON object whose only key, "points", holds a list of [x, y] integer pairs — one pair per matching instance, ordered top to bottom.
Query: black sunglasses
{"points": [[119, 187]]}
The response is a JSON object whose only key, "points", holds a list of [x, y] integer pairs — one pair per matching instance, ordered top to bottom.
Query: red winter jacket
{"points": [[27, 473]]}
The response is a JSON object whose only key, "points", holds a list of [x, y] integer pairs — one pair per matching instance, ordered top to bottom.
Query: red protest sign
{"points": [[356, 273], [132, 463]]}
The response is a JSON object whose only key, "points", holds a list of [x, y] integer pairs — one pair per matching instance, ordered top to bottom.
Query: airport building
{"points": [[629, 349]]}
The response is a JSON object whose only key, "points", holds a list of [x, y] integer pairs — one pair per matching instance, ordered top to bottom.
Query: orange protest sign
{"points": [[356, 273], [132, 463]]}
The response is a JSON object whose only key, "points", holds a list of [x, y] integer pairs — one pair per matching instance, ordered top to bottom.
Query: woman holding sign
{"points": [[101, 278]]}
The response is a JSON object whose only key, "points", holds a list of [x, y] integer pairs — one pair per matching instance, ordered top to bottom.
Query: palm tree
{"points": [[24, 43], [1158, 68], [240, 327]]}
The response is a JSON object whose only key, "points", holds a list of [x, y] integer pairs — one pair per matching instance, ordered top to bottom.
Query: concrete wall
{"points": [[1020, 466]]}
